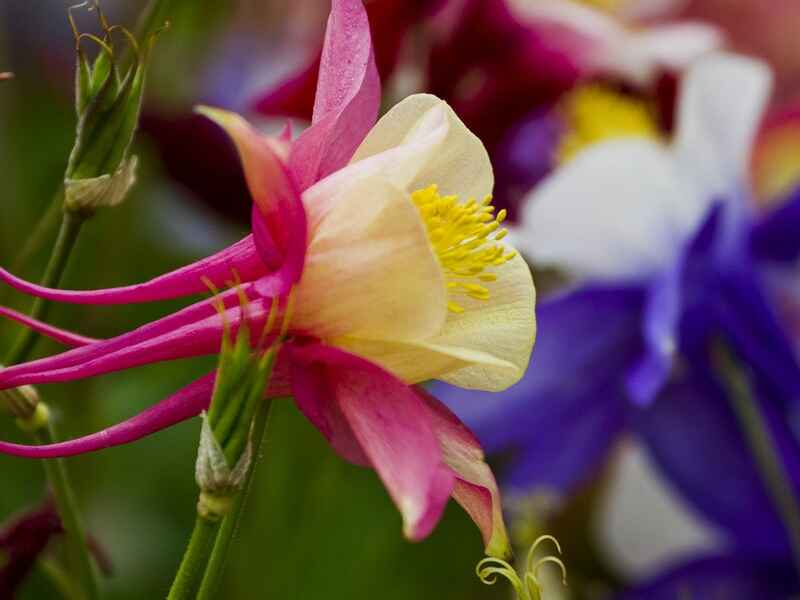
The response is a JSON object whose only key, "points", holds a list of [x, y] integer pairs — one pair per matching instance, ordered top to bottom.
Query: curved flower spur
{"points": [[383, 238]]}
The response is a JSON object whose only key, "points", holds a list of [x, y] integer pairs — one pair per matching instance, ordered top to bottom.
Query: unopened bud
{"points": [[108, 100], [85, 196], [23, 402], [217, 480]]}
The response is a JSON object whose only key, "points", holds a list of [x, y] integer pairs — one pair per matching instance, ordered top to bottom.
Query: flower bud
{"points": [[108, 99], [23, 402], [225, 451]]}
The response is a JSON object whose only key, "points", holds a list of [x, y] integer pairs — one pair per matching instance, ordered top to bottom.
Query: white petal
{"points": [[638, 55], [722, 100], [459, 165], [619, 209], [370, 270]]}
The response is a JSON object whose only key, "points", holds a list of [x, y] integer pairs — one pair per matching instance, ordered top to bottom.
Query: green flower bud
{"points": [[108, 100], [225, 451]]}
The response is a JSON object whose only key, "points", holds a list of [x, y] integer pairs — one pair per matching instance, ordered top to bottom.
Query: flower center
{"points": [[605, 5], [596, 113], [465, 238]]}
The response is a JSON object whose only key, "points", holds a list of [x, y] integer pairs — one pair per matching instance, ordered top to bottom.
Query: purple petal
{"points": [[347, 100], [776, 237], [220, 268], [660, 325], [186, 403], [560, 420], [695, 438], [723, 577]]}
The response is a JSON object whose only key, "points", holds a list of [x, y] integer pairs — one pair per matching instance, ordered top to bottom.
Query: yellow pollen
{"points": [[604, 5], [596, 113], [465, 239]]}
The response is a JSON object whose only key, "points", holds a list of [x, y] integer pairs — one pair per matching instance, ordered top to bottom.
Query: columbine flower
{"points": [[608, 36], [478, 48], [670, 260], [399, 274]]}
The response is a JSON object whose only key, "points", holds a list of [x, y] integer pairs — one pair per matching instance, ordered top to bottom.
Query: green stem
{"points": [[67, 236], [767, 458], [232, 523], [78, 549], [193, 567]]}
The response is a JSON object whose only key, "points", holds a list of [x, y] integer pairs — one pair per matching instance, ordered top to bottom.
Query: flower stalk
{"points": [[33, 417], [756, 431], [225, 452]]}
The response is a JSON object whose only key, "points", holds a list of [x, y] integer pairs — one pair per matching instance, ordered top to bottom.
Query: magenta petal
{"points": [[347, 100], [279, 218], [240, 258], [191, 314], [67, 338], [193, 339], [349, 397], [186, 403], [476, 489]]}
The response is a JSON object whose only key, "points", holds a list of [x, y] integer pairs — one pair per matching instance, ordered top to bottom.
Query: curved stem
{"points": [[67, 236], [763, 448], [232, 523], [80, 560], [190, 573]]}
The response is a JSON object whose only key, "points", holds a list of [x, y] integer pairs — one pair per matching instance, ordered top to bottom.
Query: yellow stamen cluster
{"points": [[605, 5], [596, 113], [465, 238]]}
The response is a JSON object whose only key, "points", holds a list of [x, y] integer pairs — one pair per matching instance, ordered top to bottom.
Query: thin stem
{"points": [[41, 232], [67, 236], [766, 455], [232, 523], [75, 536], [190, 574], [60, 579]]}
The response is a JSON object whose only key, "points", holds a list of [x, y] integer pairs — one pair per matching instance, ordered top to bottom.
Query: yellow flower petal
{"points": [[459, 165], [370, 271], [504, 327], [486, 347], [415, 362]]}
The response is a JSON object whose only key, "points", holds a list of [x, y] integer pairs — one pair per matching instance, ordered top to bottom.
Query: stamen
{"points": [[464, 237]]}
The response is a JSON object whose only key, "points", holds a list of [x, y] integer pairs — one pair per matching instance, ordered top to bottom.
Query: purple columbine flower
{"points": [[669, 257]]}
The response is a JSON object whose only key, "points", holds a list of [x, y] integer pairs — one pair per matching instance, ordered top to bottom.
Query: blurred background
{"points": [[318, 527]]}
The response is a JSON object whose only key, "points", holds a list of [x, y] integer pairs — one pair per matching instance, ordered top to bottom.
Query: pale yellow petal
{"points": [[460, 164], [370, 271], [503, 326], [487, 347], [415, 362]]}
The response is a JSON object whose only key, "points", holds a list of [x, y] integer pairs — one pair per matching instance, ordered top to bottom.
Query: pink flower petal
{"points": [[347, 100], [279, 221], [240, 258], [191, 314], [67, 338], [134, 349], [186, 403], [370, 415], [476, 489]]}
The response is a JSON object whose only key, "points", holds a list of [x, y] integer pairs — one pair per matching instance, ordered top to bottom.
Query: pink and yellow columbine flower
{"points": [[382, 240]]}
